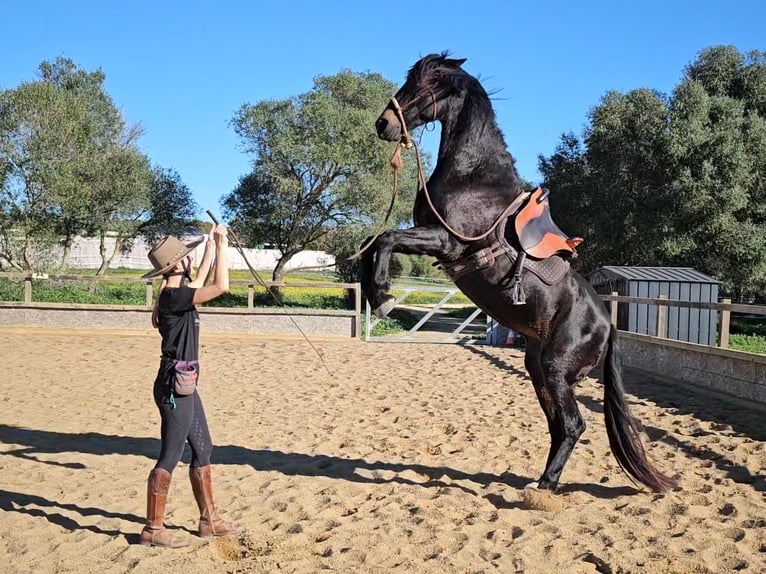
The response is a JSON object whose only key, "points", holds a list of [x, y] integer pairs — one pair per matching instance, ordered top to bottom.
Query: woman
{"points": [[183, 417]]}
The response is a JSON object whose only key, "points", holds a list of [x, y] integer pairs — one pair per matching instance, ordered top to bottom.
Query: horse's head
{"points": [[430, 82]]}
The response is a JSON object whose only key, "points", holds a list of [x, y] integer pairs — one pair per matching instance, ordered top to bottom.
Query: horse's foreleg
{"points": [[427, 240]]}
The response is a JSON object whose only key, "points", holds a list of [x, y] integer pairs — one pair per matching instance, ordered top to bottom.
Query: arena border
{"points": [[258, 320], [736, 374]]}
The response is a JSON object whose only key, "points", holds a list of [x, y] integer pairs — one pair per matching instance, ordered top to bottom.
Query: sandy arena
{"points": [[410, 458]]}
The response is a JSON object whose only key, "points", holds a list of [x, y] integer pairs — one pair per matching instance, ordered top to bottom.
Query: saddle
{"points": [[538, 235], [534, 242]]}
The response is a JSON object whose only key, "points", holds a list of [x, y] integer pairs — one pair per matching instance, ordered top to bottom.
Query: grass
{"points": [[396, 321], [749, 343]]}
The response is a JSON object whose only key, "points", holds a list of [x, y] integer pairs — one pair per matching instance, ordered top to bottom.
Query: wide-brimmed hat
{"points": [[169, 251]]}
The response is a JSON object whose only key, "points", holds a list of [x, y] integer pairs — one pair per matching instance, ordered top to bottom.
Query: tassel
{"points": [[396, 158]]}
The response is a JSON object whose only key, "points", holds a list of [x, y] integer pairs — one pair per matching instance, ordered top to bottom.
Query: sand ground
{"points": [[405, 458]]}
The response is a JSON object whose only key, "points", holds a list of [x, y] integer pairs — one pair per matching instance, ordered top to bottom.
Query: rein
{"points": [[407, 142], [397, 163]]}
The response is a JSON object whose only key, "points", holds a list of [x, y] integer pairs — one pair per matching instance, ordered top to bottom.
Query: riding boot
{"points": [[210, 522], [154, 532]]}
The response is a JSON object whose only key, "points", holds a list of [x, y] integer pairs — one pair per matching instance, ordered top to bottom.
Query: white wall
{"points": [[85, 255]]}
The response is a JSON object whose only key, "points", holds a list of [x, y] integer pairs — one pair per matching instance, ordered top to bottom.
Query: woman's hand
{"points": [[220, 234], [220, 285]]}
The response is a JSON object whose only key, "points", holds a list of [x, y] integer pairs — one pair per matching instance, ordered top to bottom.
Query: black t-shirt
{"points": [[179, 323]]}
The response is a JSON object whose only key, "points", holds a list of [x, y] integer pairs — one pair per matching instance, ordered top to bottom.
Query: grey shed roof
{"points": [[679, 274]]}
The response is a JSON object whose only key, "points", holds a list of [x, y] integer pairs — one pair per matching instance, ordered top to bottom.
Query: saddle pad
{"points": [[550, 270]]}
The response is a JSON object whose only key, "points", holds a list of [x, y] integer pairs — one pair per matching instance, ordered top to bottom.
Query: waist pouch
{"points": [[185, 377]]}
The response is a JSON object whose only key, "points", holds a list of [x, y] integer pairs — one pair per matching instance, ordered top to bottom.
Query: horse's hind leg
{"points": [[554, 389]]}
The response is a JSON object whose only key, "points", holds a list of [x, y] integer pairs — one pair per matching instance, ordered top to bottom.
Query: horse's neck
{"points": [[472, 148], [472, 151]]}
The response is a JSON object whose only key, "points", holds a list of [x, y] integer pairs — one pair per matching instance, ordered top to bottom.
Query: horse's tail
{"points": [[623, 430]]}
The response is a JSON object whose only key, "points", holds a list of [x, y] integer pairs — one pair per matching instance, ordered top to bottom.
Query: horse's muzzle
{"points": [[388, 126]]}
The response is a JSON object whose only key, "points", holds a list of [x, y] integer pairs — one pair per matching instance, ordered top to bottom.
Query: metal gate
{"points": [[444, 331]]}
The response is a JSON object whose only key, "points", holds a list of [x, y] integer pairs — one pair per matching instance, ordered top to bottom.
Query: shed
{"points": [[680, 283]]}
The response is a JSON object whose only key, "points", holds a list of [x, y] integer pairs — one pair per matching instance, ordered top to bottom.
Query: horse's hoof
{"points": [[385, 308], [542, 499]]}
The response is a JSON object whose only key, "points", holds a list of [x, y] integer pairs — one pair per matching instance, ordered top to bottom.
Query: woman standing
{"points": [[181, 411]]}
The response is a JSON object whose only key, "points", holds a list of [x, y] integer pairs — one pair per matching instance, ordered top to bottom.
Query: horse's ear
{"points": [[454, 64]]}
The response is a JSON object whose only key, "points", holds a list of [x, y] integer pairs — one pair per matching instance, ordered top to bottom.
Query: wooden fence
{"points": [[30, 279], [726, 308]]}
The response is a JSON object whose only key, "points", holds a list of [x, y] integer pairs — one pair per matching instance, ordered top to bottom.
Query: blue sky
{"points": [[182, 69]]}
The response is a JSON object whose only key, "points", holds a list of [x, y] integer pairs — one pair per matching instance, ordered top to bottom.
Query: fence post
{"points": [[28, 289], [149, 293], [250, 295], [613, 308], [357, 310], [662, 317], [725, 319]]}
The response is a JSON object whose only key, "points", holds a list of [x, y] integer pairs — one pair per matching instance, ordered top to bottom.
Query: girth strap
{"points": [[473, 262]]}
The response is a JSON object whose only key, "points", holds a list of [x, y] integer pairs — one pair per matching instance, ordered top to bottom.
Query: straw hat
{"points": [[167, 253]]}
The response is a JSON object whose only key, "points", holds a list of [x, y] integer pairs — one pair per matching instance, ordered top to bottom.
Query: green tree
{"points": [[97, 122], [39, 127], [718, 137], [70, 165], [319, 168], [567, 175], [675, 180], [119, 188], [172, 207]]}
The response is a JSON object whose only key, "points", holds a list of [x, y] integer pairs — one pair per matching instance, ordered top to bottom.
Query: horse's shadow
{"points": [[494, 360], [726, 412], [23, 503]]}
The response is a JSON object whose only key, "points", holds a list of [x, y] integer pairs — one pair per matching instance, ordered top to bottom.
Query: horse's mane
{"points": [[433, 71]]}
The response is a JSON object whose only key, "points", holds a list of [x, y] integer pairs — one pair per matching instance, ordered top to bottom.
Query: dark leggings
{"points": [[185, 422]]}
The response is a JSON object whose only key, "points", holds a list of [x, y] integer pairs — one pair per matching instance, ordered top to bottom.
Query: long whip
{"points": [[262, 283]]}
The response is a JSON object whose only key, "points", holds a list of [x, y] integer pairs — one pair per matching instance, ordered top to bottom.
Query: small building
{"points": [[679, 283]]}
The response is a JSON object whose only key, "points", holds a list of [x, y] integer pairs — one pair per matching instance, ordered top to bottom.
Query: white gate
{"points": [[435, 324]]}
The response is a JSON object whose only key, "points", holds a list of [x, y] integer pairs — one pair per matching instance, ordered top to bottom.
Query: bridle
{"points": [[407, 142]]}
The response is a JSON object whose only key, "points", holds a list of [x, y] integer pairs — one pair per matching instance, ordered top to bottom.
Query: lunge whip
{"points": [[262, 283]]}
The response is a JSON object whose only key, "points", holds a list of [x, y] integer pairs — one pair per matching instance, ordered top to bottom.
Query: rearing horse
{"points": [[472, 215]]}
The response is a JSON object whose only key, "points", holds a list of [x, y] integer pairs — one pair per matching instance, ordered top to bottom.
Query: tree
{"points": [[99, 122], [39, 128], [718, 139], [627, 144], [70, 165], [319, 168], [676, 180], [119, 189], [172, 207]]}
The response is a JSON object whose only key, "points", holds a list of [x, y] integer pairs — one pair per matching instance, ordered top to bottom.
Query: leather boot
{"points": [[210, 522], [154, 532]]}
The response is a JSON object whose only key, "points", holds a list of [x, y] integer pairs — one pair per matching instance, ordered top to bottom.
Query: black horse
{"points": [[500, 247]]}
